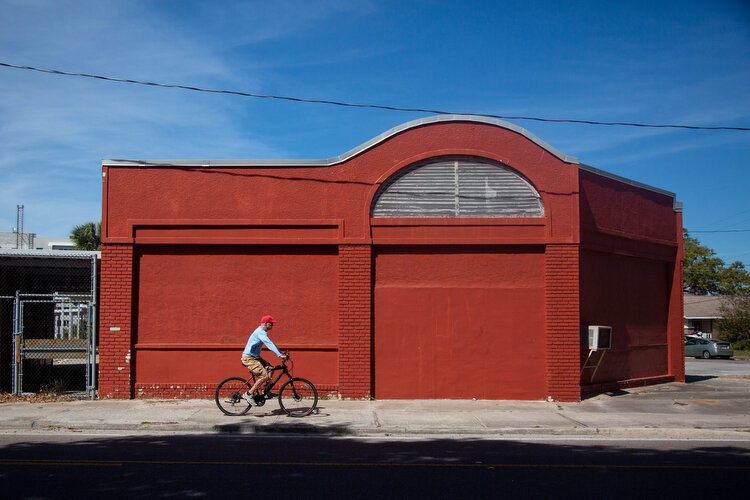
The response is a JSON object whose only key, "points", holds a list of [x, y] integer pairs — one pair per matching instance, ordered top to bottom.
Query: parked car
{"points": [[698, 347]]}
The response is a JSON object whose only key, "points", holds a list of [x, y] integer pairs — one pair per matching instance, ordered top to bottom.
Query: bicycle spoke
{"points": [[229, 396], [298, 397]]}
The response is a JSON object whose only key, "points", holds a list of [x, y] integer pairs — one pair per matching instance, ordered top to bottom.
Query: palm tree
{"points": [[87, 236]]}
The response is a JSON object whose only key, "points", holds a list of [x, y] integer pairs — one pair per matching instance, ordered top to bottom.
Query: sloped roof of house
{"points": [[702, 306]]}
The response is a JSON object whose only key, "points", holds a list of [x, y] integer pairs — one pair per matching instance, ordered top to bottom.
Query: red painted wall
{"points": [[247, 203], [619, 217], [629, 248], [193, 255], [630, 295], [562, 301], [197, 305], [355, 321], [116, 322], [458, 322]]}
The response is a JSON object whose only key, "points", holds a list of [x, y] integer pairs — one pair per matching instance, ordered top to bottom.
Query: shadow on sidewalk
{"points": [[689, 379]]}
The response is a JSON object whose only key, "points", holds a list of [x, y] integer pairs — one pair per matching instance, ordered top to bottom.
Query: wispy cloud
{"points": [[639, 67], [56, 130]]}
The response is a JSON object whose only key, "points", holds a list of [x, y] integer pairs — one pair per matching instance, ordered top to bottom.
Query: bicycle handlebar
{"points": [[283, 361]]}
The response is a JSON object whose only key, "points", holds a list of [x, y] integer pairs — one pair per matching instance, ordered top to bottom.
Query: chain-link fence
{"points": [[48, 322]]}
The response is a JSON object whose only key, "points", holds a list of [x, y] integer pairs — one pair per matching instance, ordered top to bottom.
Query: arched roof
{"points": [[353, 152]]}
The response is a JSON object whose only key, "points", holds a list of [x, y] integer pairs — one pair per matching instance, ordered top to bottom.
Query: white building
{"points": [[30, 241]]}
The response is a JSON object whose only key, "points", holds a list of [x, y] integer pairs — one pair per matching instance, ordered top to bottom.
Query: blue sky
{"points": [[651, 62]]}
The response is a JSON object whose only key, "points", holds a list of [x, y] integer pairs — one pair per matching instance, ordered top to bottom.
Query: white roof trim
{"points": [[349, 154], [328, 162]]}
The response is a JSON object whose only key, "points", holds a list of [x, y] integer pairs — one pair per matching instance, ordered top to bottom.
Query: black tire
{"points": [[706, 355], [229, 394], [298, 397]]}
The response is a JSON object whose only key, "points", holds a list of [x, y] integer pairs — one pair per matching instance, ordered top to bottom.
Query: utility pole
{"points": [[19, 226]]}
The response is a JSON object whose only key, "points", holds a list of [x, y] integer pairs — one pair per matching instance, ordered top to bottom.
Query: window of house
{"points": [[462, 187]]}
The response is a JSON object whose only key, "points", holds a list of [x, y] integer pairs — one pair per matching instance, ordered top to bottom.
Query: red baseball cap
{"points": [[267, 319]]}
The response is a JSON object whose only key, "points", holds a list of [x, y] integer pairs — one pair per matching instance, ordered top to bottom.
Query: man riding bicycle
{"points": [[253, 361]]}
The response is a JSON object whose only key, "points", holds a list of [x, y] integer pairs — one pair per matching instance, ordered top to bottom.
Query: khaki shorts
{"points": [[257, 366]]}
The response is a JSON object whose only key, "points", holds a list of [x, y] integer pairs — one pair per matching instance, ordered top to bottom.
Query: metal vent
{"points": [[458, 188]]}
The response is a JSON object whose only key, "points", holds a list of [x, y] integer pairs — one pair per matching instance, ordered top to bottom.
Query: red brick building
{"points": [[450, 257]]}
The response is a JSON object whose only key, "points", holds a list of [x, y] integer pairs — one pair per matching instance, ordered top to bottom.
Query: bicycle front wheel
{"points": [[229, 396], [298, 397]]}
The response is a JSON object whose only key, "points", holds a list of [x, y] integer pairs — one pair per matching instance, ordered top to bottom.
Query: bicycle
{"points": [[298, 397]]}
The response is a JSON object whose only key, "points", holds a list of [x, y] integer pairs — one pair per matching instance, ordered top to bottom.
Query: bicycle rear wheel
{"points": [[229, 394], [298, 397]]}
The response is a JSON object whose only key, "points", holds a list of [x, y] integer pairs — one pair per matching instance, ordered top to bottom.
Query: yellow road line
{"points": [[117, 463]]}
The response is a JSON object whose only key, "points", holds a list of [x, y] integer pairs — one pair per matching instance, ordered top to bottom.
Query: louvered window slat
{"points": [[458, 188]]}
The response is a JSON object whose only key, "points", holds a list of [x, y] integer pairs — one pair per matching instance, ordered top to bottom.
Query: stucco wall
{"points": [[630, 243], [193, 255], [630, 295], [198, 304], [462, 323]]}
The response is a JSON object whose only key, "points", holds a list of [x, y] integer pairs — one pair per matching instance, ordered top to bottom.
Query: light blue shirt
{"points": [[256, 341]]}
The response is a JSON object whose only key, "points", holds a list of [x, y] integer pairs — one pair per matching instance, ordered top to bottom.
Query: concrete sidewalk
{"points": [[710, 408]]}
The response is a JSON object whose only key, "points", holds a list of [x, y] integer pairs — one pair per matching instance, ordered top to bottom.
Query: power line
{"points": [[368, 106]]}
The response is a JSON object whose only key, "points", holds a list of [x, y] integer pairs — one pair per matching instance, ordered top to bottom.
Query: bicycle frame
{"points": [[272, 383], [296, 396]]}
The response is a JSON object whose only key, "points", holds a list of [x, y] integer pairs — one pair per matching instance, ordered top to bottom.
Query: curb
{"points": [[303, 429]]}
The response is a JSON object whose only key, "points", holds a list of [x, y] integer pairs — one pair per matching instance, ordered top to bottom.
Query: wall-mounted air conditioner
{"points": [[600, 337]]}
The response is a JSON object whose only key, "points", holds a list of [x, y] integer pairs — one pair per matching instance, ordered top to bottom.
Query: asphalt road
{"points": [[717, 367], [70, 466]]}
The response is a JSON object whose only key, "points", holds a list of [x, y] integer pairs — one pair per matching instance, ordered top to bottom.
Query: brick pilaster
{"points": [[562, 297], [115, 317], [355, 321], [675, 323]]}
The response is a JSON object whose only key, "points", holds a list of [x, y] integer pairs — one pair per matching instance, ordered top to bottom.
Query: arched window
{"points": [[463, 187]]}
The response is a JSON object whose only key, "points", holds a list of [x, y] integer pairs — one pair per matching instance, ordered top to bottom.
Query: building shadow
{"points": [[691, 379], [294, 466]]}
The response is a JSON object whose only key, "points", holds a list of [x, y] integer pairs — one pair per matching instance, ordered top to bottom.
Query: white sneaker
{"points": [[249, 398]]}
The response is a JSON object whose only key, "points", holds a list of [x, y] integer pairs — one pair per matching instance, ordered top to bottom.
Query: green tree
{"points": [[87, 236], [704, 273], [734, 279], [735, 322]]}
